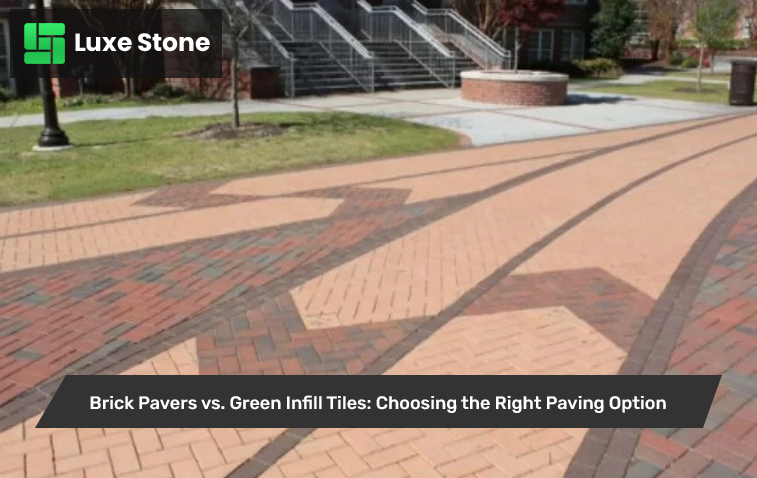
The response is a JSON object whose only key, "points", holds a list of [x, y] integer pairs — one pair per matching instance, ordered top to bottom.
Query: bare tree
{"points": [[147, 12], [749, 12], [482, 13], [664, 17], [236, 22]]}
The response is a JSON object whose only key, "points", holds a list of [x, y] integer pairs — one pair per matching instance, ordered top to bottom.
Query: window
{"points": [[508, 39], [572, 45], [540, 46], [5, 74]]}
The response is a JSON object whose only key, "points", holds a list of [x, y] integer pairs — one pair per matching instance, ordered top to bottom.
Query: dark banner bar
{"points": [[92, 44], [437, 401]]}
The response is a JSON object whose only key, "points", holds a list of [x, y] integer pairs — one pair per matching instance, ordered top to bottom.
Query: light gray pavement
{"points": [[482, 123]]}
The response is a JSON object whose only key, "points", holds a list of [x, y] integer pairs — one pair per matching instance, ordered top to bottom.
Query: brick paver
{"points": [[552, 257]]}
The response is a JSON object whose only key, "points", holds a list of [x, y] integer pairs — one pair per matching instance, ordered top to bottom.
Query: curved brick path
{"points": [[624, 252]]}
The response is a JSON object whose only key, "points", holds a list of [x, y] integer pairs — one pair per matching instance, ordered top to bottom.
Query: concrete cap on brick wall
{"points": [[510, 76]]}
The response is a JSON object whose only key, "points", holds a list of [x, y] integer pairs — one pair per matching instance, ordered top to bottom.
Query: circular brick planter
{"points": [[524, 88]]}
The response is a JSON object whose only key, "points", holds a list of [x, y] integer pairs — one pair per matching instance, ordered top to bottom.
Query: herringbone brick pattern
{"points": [[385, 170], [475, 178], [702, 188], [76, 214], [43, 249], [427, 270], [324, 271], [53, 320], [720, 338], [539, 341], [28, 452]]}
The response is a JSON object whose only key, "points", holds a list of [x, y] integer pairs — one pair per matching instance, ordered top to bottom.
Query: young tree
{"points": [[149, 12], [525, 16], [236, 21], [714, 22], [615, 25]]}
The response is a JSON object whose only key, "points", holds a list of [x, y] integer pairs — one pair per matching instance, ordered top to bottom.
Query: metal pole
{"points": [[52, 136]]}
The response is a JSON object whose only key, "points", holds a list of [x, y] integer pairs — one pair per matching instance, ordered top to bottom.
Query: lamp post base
{"points": [[52, 138], [51, 149]]}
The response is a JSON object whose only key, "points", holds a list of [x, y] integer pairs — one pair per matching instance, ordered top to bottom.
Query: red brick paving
{"points": [[55, 320], [720, 337]]}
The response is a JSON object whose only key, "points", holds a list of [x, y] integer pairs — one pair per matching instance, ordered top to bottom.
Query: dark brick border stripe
{"points": [[216, 184], [608, 452], [260, 462]]}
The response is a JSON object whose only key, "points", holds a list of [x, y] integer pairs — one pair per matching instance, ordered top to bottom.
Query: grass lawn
{"points": [[706, 75], [668, 89], [33, 105], [117, 156]]}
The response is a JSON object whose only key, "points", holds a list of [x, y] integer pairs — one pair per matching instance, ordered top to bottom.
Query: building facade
{"points": [[561, 40], [6, 76]]}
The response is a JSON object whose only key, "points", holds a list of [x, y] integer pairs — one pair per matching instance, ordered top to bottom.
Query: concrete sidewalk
{"points": [[483, 123]]}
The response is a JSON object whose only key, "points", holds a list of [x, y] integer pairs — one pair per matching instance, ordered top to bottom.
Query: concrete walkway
{"points": [[483, 123], [621, 252]]}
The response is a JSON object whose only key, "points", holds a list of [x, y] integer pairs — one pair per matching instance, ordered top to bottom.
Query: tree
{"points": [[749, 10], [483, 14], [526, 15], [664, 18], [236, 21], [714, 22], [131, 25], [615, 25]]}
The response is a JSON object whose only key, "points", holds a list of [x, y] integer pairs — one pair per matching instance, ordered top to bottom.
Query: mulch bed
{"points": [[245, 130]]}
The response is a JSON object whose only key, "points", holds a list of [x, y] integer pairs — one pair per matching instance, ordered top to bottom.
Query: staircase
{"points": [[350, 45], [462, 61], [396, 69], [316, 72]]}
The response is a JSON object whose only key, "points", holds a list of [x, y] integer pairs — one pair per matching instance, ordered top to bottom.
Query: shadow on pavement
{"points": [[584, 99]]}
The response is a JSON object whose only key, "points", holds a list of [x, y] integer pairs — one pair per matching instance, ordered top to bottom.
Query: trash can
{"points": [[743, 74]]}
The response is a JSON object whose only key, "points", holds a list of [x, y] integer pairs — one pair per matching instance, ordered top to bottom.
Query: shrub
{"points": [[686, 44], [731, 45], [677, 58], [690, 63], [566, 68], [600, 68], [166, 91], [6, 94], [194, 96], [85, 100]]}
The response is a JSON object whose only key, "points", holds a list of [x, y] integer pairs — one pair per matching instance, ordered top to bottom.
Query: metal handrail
{"points": [[310, 22], [390, 23], [347, 36], [265, 45], [484, 51], [272, 52]]}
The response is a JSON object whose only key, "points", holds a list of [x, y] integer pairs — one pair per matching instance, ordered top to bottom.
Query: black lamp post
{"points": [[52, 136]]}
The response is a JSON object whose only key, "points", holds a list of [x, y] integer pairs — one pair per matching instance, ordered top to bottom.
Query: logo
{"points": [[44, 43]]}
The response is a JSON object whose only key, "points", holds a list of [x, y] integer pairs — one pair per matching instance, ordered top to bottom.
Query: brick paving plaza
{"points": [[624, 252]]}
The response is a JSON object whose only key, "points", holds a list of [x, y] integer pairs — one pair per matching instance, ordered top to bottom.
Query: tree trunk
{"points": [[654, 45], [516, 54], [712, 62], [699, 68], [234, 83]]}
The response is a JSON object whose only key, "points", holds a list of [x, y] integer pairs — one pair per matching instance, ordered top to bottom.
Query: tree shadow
{"points": [[595, 99], [118, 141]]}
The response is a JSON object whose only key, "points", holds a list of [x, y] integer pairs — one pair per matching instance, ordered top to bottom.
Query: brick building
{"points": [[561, 40], [6, 78]]}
